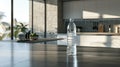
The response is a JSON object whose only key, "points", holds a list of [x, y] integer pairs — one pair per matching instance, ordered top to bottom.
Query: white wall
{"points": [[71, 9], [92, 9]]}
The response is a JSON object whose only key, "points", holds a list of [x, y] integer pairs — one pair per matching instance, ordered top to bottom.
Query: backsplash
{"points": [[92, 25]]}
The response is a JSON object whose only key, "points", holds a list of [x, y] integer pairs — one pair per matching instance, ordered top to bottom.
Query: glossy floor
{"points": [[13, 54]]}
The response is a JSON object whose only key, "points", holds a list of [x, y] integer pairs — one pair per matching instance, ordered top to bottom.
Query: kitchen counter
{"points": [[97, 33], [93, 39], [99, 39]]}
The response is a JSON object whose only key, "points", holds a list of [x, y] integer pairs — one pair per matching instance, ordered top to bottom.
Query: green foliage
{"points": [[6, 27], [20, 28], [16, 33], [33, 34], [1, 37]]}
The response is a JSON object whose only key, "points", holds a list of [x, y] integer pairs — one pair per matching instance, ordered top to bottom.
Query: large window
{"points": [[21, 16], [5, 19]]}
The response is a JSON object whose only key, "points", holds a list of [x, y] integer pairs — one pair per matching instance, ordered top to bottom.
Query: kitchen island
{"points": [[98, 33], [96, 39]]}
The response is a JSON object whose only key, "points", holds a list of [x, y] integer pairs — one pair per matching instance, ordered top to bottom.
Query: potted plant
{"points": [[21, 31], [34, 36]]}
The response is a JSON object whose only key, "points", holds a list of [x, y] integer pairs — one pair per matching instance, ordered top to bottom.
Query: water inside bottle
{"points": [[71, 37]]}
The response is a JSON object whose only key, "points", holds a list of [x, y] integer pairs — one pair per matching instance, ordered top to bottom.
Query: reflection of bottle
{"points": [[71, 36], [72, 61]]}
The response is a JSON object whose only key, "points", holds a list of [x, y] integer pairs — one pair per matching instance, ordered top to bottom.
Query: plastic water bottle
{"points": [[71, 38]]}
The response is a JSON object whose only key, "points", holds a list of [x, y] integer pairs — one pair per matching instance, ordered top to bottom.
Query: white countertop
{"points": [[97, 33]]}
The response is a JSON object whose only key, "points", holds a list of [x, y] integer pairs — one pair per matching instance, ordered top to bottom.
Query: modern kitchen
{"points": [[93, 15], [97, 21], [95, 43]]}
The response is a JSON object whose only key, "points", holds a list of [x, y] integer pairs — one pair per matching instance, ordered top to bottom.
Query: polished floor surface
{"points": [[13, 54]]}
